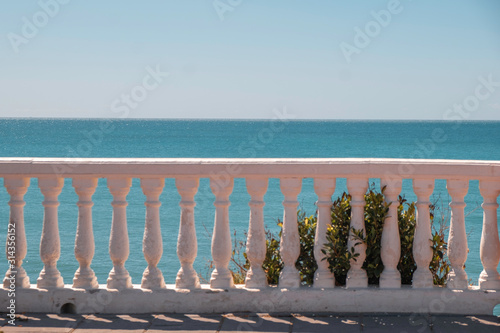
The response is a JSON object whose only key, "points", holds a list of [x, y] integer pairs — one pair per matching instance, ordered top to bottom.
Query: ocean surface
{"points": [[223, 138]]}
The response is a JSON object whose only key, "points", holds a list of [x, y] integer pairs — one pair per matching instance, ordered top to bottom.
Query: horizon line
{"points": [[248, 119]]}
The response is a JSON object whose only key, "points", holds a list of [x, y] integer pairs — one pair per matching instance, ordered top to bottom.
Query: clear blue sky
{"points": [[244, 58]]}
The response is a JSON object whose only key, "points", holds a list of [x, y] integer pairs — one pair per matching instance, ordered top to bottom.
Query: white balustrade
{"points": [[324, 188], [457, 239], [221, 240], [84, 241], [256, 241], [422, 241], [290, 242], [152, 243], [50, 244], [187, 244], [490, 244], [16, 247], [390, 251], [356, 276], [119, 277], [188, 295]]}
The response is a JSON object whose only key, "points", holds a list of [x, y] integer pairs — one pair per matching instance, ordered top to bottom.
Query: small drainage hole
{"points": [[68, 308]]}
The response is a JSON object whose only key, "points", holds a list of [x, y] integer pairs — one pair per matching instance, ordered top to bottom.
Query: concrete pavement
{"points": [[250, 322]]}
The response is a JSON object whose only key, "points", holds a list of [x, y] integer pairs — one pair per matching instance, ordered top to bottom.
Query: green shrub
{"points": [[375, 212], [407, 219], [336, 249], [272, 263], [305, 264], [440, 266]]}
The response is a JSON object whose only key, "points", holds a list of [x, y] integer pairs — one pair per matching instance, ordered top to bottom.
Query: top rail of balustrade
{"points": [[247, 167]]}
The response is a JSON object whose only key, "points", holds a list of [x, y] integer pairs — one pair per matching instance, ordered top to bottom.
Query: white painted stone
{"points": [[267, 167], [16, 187], [324, 188], [457, 239], [84, 240], [221, 240], [256, 241], [290, 241], [422, 241], [152, 243], [187, 244], [490, 244], [50, 245], [390, 251], [356, 276], [119, 277], [120, 296], [436, 301]]}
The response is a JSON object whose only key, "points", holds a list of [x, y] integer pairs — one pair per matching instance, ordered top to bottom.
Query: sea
{"points": [[29, 137]]}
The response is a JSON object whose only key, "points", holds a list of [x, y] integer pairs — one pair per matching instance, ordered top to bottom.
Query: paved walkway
{"points": [[250, 323]]}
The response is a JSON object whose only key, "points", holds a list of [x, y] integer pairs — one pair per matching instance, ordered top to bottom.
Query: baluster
{"points": [[16, 187], [324, 188], [221, 239], [457, 239], [290, 241], [422, 241], [84, 242], [256, 242], [152, 244], [187, 244], [490, 244], [50, 246], [390, 251], [356, 276], [119, 277]]}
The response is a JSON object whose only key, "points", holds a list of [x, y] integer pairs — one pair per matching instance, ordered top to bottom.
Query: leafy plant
{"points": [[375, 212], [407, 224], [336, 249], [272, 263], [305, 264], [239, 266], [440, 266]]}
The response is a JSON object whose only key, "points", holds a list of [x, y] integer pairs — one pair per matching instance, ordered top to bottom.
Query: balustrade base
{"points": [[289, 277], [256, 278], [422, 278], [20, 279], [187, 279], [323, 279], [390, 279], [221, 280], [457, 280], [491, 281], [273, 299]]}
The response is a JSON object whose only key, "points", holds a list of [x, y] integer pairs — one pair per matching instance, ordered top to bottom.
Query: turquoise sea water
{"points": [[216, 138]]}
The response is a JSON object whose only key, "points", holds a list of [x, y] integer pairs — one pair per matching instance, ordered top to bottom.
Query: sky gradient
{"points": [[405, 59]]}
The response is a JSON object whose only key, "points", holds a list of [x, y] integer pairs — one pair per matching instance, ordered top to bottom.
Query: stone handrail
{"points": [[50, 292]]}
